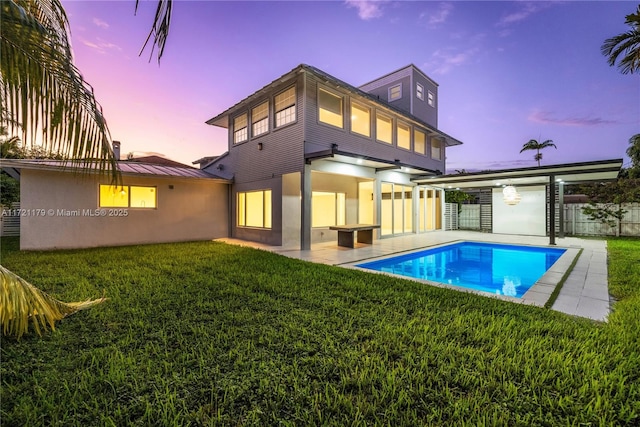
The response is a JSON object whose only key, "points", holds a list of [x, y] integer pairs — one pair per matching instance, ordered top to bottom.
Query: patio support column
{"points": [[305, 209], [552, 210], [561, 211]]}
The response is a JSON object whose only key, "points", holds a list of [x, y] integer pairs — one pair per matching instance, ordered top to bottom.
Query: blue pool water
{"points": [[499, 269]]}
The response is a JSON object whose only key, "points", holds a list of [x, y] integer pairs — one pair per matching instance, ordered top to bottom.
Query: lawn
{"points": [[211, 334]]}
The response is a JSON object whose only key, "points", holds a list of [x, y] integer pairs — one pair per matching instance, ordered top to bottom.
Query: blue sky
{"points": [[508, 71]]}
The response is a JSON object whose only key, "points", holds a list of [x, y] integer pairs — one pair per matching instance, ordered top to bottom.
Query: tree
{"points": [[625, 45], [43, 95], [535, 145], [633, 151], [606, 199]]}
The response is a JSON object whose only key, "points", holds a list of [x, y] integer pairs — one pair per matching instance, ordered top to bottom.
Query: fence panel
{"points": [[469, 217], [9, 222], [577, 223]]}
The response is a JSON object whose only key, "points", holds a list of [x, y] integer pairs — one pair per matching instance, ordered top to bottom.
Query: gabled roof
{"points": [[222, 119], [157, 160], [125, 167]]}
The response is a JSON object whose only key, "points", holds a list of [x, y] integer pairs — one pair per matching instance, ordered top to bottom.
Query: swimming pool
{"points": [[489, 267]]}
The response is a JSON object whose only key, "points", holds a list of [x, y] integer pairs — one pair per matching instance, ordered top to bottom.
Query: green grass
{"points": [[211, 334]]}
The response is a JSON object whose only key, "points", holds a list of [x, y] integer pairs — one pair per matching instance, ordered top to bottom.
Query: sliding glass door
{"points": [[396, 209]]}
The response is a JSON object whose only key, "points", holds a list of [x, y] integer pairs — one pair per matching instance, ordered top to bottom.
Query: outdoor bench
{"points": [[346, 232]]}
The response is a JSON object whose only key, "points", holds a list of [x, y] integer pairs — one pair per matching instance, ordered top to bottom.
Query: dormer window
{"points": [[420, 91], [395, 92], [431, 99], [240, 129]]}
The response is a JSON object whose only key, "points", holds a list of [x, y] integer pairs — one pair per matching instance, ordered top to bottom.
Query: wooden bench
{"points": [[346, 232]]}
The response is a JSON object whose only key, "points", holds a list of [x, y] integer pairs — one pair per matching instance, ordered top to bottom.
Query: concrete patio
{"points": [[584, 294]]}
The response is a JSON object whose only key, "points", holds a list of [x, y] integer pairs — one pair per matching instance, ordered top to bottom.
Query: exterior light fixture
{"points": [[260, 146], [510, 195]]}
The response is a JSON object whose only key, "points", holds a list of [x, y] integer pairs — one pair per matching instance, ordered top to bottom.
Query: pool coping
{"points": [[538, 294]]}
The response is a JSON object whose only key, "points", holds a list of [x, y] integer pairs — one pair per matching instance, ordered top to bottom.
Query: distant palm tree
{"points": [[626, 45], [535, 145], [633, 151]]}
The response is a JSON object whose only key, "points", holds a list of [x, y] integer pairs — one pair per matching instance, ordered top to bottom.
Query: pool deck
{"points": [[585, 292]]}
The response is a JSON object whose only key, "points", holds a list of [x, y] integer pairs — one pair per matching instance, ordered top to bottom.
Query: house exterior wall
{"points": [[320, 136], [192, 210], [526, 218], [269, 236]]}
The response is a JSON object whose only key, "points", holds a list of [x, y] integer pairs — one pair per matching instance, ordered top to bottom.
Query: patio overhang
{"points": [[335, 155], [571, 173], [552, 175]]}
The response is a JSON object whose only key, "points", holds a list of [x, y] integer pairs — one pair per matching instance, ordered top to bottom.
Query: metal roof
{"points": [[125, 167], [570, 173]]}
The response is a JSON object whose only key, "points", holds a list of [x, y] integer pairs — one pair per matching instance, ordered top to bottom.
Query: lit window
{"points": [[420, 91], [395, 92], [431, 99], [285, 107], [329, 108], [260, 119], [360, 120], [240, 129], [384, 129], [404, 136], [419, 142], [436, 149], [127, 197], [254, 209], [328, 209]]}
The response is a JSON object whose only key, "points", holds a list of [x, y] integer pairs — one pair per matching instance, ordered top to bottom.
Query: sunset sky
{"points": [[508, 71]]}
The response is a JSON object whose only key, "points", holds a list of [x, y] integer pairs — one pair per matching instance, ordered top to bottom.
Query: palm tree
{"points": [[626, 45], [44, 95], [535, 145]]}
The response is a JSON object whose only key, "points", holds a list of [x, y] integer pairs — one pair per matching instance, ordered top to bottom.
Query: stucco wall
{"points": [[62, 202], [527, 217]]}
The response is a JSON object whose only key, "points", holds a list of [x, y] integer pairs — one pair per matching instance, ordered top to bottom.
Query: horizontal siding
{"points": [[320, 136], [282, 149]]}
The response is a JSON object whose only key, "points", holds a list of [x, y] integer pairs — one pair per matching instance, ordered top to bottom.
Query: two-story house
{"points": [[309, 151]]}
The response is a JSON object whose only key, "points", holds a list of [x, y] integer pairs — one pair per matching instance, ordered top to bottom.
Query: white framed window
{"points": [[420, 91], [395, 92], [431, 99], [285, 107], [330, 108], [260, 119], [360, 119], [240, 129], [384, 129], [403, 136], [419, 141], [436, 149], [128, 196], [254, 209], [328, 209]]}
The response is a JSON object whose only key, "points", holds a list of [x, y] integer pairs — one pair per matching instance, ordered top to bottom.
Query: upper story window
{"points": [[420, 91], [395, 92], [431, 99], [285, 107], [330, 108], [260, 119], [360, 120], [240, 129], [384, 129], [403, 135], [419, 142], [436, 149]]}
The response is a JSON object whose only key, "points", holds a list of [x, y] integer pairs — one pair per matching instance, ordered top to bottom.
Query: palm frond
{"points": [[159, 29], [625, 46], [42, 92], [21, 302]]}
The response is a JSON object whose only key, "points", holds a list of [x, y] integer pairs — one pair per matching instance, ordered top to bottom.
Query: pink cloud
{"points": [[367, 9], [547, 117]]}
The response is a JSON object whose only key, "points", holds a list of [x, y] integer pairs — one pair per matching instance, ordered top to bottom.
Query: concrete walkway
{"points": [[585, 292]]}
